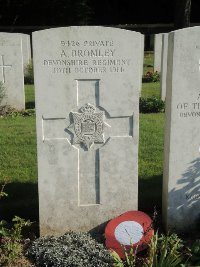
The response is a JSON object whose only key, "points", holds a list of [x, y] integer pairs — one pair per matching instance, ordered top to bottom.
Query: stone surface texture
{"points": [[26, 49], [157, 51], [142, 57], [11, 70], [163, 75], [87, 82], [181, 184]]}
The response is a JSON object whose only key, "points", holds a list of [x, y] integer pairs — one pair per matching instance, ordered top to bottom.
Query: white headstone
{"points": [[26, 49], [157, 51], [142, 57], [11, 70], [163, 75], [87, 82], [181, 185]]}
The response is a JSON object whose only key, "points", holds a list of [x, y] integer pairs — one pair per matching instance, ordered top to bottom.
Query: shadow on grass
{"points": [[30, 105], [150, 194], [22, 200]]}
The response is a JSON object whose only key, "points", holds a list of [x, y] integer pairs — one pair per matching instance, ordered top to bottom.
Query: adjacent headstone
{"points": [[26, 49], [157, 51], [142, 58], [11, 70], [163, 75], [87, 82], [181, 184]]}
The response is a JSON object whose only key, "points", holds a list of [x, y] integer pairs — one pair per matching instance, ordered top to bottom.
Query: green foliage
{"points": [[148, 61], [28, 73], [151, 76], [150, 89], [30, 96], [151, 105], [7, 111], [2, 193], [11, 239], [71, 249], [195, 250], [165, 251], [129, 261], [118, 262]]}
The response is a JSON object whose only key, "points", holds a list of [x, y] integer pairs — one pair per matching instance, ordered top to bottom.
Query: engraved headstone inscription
{"points": [[11, 70], [87, 82], [181, 184]]}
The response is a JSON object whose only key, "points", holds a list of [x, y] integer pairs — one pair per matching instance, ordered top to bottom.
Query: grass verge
{"points": [[151, 161]]}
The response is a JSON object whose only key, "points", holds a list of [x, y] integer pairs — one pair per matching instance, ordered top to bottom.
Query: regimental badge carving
{"points": [[88, 126]]}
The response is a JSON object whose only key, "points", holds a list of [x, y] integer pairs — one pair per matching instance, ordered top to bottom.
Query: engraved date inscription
{"points": [[87, 56]]}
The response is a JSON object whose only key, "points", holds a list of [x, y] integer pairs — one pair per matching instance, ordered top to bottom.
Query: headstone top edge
{"points": [[105, 28], [185, 30], [10, 35]]}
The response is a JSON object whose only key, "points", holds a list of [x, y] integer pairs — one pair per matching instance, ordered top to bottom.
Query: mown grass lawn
{"points": [[148, 62], [150, 89], [30, 96], [18, 160], [151, 161], [18, 165]]}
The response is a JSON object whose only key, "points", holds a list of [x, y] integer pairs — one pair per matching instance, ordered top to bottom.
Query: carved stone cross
{"points": [[3, 66], [92, 128]]}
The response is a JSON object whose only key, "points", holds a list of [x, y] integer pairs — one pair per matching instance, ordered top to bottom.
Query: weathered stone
{"points": [[26, 49], [157, 51], [142, 58], [11, 70], [163, 75], [87, 82], [181, 185]]}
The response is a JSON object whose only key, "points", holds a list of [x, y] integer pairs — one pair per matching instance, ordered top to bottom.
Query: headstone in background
{"points": [[26, 49], [157, 51], [142, 58], [11, 70], [163, 74], [87, 82], [181, 184]]}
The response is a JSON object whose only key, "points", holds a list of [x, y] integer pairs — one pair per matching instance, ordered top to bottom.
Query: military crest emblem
{"points": [[88, 126]]}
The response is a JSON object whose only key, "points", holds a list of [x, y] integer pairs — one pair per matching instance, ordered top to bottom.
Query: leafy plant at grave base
{"points": [[28, 73], [151, 76], [2, 92], [151, 105], [2, 193], [11, 237], [71, 249], [195, 250], [163, 251], [166, 251], [129, 261]]}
